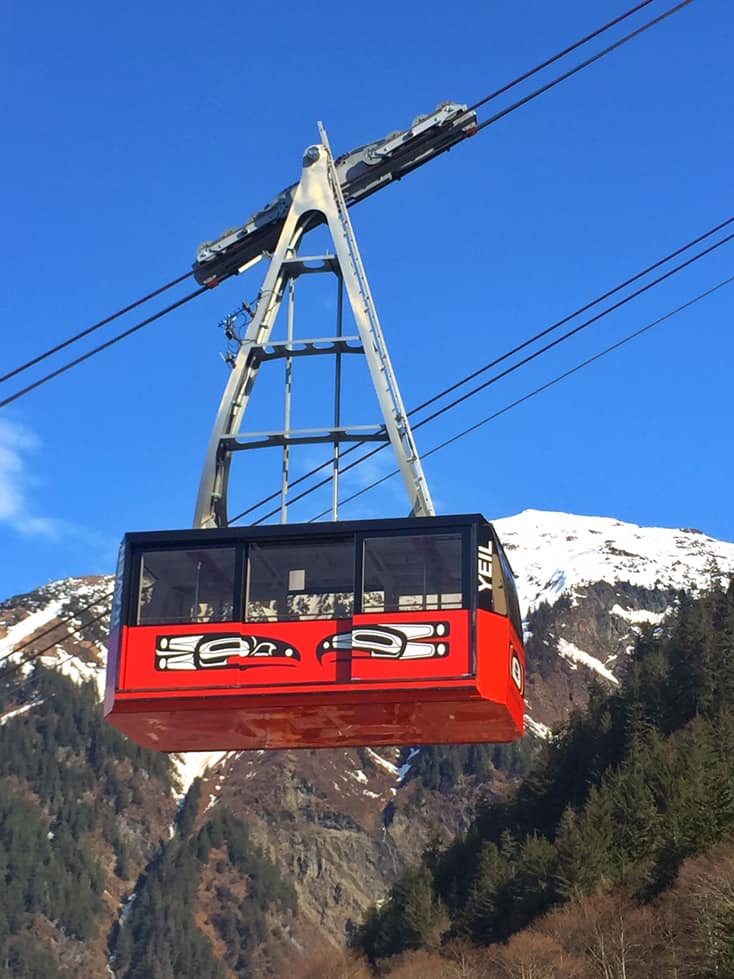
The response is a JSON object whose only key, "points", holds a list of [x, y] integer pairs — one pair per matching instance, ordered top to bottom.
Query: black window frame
{"points": [[463, 532], [331, 538], [136, 544], [139, 552], [513, 599]]}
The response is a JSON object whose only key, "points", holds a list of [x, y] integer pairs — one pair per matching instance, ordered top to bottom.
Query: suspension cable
{"points": [[556, 57], [580, 67], [495, 118], [573, 315], [91, 329], [575, 330], [73, 339], [103, 346], [498, 360], [543, 387], [61, 620], [8, 671]]}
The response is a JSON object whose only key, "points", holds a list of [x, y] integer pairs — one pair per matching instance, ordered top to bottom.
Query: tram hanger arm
{"points": [[361, 172]]}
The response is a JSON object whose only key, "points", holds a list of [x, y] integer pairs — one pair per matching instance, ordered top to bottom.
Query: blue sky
{"points": [[136, 131]]}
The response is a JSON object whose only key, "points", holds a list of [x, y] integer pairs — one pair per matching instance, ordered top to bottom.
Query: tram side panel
{"points": [[370, 650], [500, 657]]}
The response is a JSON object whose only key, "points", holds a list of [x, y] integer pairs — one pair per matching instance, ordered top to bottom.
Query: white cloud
{"points": [[16, 506]]}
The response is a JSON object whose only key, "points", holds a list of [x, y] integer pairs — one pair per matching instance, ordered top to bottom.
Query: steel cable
{"points": [[557, 57], [580, 67], [493, 95], [93, 328], [103, 346], [505, 356], [543, 387], [61, 620], [8, 671]]}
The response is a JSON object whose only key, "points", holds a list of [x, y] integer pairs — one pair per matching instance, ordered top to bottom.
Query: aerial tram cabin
{"points": [[379, 632]]}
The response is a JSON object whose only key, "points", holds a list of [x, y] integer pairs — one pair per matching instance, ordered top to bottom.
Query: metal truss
{"points": [[317, 199]]}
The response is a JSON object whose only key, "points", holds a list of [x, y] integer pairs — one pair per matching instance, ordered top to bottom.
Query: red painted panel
{"points": [[369, 648], [501, 664], [294, 685], [224, 722]]}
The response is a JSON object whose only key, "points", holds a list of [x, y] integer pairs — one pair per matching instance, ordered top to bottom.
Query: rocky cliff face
{"points": [[341, 825]]}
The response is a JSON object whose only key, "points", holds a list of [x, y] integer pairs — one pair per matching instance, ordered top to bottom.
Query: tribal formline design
{"points": [[226, 650]]}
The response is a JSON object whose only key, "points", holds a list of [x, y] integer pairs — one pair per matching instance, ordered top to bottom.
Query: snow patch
{"points": [[554, 554], [637, 616], [23, 630], [15, 647], [574, 656], [79, 671], [19, 710], [537, 728], [382, 762], [194, 764], [406, 766], [359, 775], [127, 908]]}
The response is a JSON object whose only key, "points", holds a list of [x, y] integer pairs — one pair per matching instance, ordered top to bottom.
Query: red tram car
{"points": [[316, 635]]}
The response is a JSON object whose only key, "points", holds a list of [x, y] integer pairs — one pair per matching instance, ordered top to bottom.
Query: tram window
{"points": [[416, 573], [290, 582], [191, 585], [504, 593], [499, 595]]}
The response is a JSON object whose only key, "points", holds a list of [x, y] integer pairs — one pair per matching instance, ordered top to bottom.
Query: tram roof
{"points": [[291, 531]]}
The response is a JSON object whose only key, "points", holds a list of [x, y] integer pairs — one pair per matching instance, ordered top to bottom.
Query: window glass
{"points": [[406, 574], [288, 582], [187, 585], [505, 587], [116, 612]]}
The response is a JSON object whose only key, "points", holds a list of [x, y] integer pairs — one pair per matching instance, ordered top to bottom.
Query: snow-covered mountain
{"points": [[556, 554], [556, 557], [587, 585], [61, 625], [342, 824]]}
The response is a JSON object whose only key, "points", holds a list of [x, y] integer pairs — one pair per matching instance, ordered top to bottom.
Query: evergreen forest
{"points": [[79, 804], [615, 854], [612, 857]]}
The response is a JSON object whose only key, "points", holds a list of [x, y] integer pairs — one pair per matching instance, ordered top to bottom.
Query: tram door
{"points": [[311, 584], [413, 622]]}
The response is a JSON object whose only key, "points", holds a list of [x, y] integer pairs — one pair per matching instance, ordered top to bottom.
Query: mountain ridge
{"points": [[584, 551], [341, 825]]}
